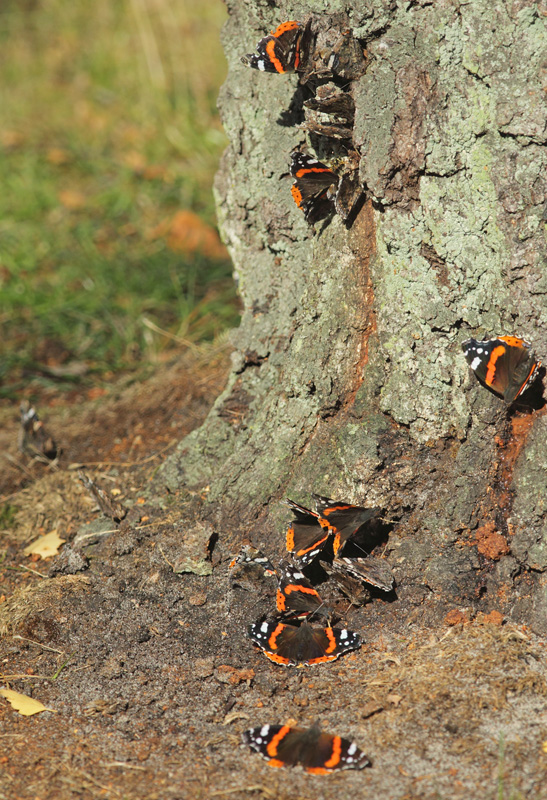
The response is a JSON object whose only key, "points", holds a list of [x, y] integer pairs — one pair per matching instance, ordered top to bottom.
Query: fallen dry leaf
{"points": [[10, 139], [57, 156], [72, 199], [185, 232], [45, 546], [395, 699], [26, 706]]}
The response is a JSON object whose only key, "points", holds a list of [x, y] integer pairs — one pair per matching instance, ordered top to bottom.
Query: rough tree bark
{"points": [[348, 377]]}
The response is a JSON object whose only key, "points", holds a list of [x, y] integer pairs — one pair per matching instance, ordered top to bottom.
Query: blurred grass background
{"points": [[109, 140]]}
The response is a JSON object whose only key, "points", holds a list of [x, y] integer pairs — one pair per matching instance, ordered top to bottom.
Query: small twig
{"points": [[167, 334], [15, 463], [81, 464], [5, 497], [84, 536], [165, 557], [22, 566], [44, 646], [25, 677], [41, 677], [125, 765], [89, 777], [256, 788]]}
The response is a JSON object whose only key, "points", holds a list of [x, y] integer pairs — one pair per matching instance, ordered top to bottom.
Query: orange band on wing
{"points": [[285, 26], [270, 50], [307, 170], [297, 197], [513, 341], [496, 353], [535, 366], [333, 509], [314, 546], [295, 587], [280, 601], [274, 635], [332, 640], [276, 659], [320, 660], [273, 745], [334, 760]]}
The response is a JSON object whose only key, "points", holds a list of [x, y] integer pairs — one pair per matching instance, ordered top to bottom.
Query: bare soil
{"points": [[148, 672]]}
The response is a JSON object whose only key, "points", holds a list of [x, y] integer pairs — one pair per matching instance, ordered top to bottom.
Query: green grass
{"points": [[108, 128]]}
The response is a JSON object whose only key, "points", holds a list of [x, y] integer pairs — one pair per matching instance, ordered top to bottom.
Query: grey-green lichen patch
{"points": [[369, 18], [376, 100], [422, 316], [425, 370], [529, 514], [193, 551]]}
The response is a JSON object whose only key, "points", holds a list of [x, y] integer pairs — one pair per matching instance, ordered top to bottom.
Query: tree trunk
{"points": [[348, 377]]}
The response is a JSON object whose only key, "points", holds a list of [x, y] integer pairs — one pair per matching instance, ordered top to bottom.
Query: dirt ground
{"points": [[146, 671]]}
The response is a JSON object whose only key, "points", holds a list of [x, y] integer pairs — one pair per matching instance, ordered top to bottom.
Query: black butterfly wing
{"points": [[279, 51], [311, 190], [504, 365], [344, 519], [305, 537], [371, 570], [295, 594], [303, 645], [316, 751]]}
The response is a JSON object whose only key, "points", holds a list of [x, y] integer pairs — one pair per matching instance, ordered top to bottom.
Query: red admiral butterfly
{"points": [[283, 50], [330, 112], [314, 187], [318, 190], [505, 365], [34, 439], [107, 504], [342, 519], [305, 536], [249, 555], [374, 571], [354, 589], [295, 594], [302, 646], [317, 752]]}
